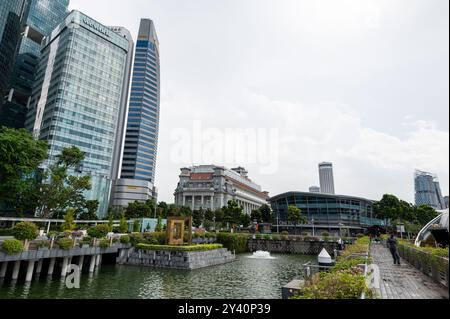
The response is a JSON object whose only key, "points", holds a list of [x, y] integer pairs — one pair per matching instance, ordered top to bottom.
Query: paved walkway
{"points": [[405, 281]]}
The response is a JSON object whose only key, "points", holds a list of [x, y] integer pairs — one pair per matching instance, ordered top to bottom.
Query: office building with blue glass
{"points": [[12, 13], [42, 17], [79, 97], [138, 164], [325, 212]]}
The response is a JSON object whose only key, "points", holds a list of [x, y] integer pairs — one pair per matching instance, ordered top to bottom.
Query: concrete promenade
{"points": [[405, 281]]}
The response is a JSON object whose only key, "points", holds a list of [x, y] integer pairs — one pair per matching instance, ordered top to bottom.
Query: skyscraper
{"points": [[12, 14], [41, 18], [79, 96], [138, 164], [326, 178], [428, 190]]}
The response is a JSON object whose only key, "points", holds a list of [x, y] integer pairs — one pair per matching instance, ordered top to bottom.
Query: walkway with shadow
{"points": [[404, 281]]}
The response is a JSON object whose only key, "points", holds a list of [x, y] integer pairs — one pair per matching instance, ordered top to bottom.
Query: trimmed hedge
{"points": [[25, 231], [6, 232], [65, 243], [104, 243], [12, 246], [179, 248]]}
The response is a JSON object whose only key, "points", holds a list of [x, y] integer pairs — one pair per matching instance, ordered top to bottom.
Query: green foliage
{"points": [[20, 157], [64, 190], [90, 210], [140, 210], [232, 213], [266, 213], [425, 214], [256, 215], [295, 215], [198, 217], [69, 218], [245, 220], [159, 225], [136, 226], [123, 227], [25, 231], [99, 231], [6, 232], [285, 233], [156, 237], [125, 239], [233, 242], [65, 243], [104, 243], [43, 244], [12, 246], [205, 247], [346, 284]]}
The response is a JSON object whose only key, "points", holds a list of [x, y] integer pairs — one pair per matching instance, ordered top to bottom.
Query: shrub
{"points": [[25, 231], [99, 231], [285, 233], [325, 234], [360, 235], [156, 238], [125, 239], [86, 240], [233, 242], [65, 243], [104, 243], [43, 244], [12, 246], [180, 248], [335, 285]]}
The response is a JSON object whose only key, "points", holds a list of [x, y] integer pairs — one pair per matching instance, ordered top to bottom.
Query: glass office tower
{"points": [[11, 17], [79, 95], [141, 139], [326, 178], [428, 190]]}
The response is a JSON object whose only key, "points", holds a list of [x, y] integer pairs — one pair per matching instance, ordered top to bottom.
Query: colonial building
{"points": [[212, 187]]}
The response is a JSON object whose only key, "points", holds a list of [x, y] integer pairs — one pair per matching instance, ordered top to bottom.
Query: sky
{"points": [[280, 86]]}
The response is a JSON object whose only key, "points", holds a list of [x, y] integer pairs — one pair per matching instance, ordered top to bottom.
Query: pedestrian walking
{"points": [[392, 244]]}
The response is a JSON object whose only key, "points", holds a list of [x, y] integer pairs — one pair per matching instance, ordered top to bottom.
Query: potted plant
{"points": [[43, 245]]}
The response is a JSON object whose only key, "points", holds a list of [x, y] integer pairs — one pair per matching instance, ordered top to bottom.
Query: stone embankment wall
{"points": [[291, 246], [176, 260]]}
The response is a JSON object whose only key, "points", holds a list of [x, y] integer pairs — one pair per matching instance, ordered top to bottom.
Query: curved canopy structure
{"points": [[438, 228]]}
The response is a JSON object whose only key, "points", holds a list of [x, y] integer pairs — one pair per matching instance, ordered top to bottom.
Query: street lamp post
{"points": [[312, 221]]}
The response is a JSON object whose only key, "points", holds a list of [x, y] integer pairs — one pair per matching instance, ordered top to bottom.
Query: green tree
{"points": [[20, 157], [64, 191], [388, 207], [90, 210], [138, 210], [163, 210], [185, 211], [232, 213], [266, 213], [425, 214], [256, 215], [295, 215], [198, 217], [69, 219], [246, 220], [111, 223], [159, 225], [123, 226], [136, 226], [25, 231]]}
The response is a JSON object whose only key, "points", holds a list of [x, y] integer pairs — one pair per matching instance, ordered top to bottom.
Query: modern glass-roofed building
{"points": [[79, 96], [326, 212]]}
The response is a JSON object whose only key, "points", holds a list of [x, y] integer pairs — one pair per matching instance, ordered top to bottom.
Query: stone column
{"points": [[184, 200], [203, 202], [193, 203], [212, 203], [98, 260], [80, 263], [92, 264], [39, 266], [51, 266], [64, 266], [3, 269], [30, 270], [15, 274]]}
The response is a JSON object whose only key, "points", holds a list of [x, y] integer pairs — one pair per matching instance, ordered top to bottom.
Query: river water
{"points": [[246, 278]]}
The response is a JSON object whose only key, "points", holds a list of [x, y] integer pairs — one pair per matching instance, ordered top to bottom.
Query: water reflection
{"points": [[244, 279]]}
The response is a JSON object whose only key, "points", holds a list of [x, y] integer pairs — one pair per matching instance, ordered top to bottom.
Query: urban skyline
{"points": [[410, 138]]}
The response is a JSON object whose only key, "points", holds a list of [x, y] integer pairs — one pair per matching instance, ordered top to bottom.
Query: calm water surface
{"points": [[244, 279]]}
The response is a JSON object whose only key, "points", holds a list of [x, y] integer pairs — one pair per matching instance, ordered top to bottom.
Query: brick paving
{"points": [[404, 281]]}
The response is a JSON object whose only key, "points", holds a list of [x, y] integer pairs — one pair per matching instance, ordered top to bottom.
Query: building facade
{"points": [[12, 15], [41, 18], [78, 97], [137, 165], [326, 178], [212, 187], [427, 190], [446, 203], [326, 211]]}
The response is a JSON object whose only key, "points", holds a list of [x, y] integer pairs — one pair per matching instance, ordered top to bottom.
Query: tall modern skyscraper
{"points": [[12, 14], [41, 18], [79, 96], [138, 164], [326, 178], [428, 190]]}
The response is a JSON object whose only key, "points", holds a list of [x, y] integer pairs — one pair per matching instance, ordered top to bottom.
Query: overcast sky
{"points": [[363, 84]]}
